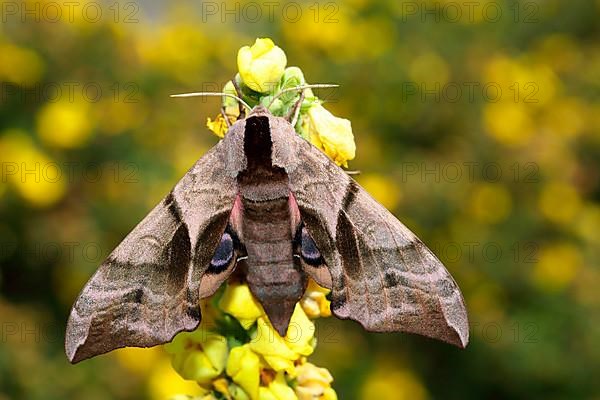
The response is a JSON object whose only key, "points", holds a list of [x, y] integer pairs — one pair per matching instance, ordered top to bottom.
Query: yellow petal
{"points": [[218, 126], [331, 134], [239, 302], [314, 302], [300, 332], [267, 342], [216, 351], [280, 353], [198, 355], [281, 364], [196, 366], [243, 367], [309, 375], [164, 382], [313, 383], [222, 386], [280, 388], [309, 393], [266, 394], [329, 394], [209, 396]]}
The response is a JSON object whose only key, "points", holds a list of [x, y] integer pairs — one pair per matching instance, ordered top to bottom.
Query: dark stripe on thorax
{"points": [[257, 143]]}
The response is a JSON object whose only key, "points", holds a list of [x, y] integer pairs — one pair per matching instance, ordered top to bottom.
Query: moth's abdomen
{"points": [[267, 235], [273, 274]]}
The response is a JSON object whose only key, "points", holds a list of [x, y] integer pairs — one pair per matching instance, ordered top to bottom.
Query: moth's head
{"points": [[259, 111]]}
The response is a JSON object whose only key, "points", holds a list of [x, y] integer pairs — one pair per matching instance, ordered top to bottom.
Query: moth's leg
{"points": [[238, 91], [292, 117]]}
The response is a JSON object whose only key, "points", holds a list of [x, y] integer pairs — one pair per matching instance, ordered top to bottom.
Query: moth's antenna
{"points": [[302, 87], [215, 94]]}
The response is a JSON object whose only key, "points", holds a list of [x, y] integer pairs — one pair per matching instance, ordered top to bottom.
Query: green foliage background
{"points": [[503, 187]]}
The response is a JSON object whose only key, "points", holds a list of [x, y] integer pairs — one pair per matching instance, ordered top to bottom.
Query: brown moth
{"points": [[268, 203]]}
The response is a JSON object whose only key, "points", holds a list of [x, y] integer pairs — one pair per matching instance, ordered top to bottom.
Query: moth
{"points": [[271, 206]]}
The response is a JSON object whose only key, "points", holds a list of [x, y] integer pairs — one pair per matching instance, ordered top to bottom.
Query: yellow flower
{"points": [[20, 65], [261, 66], [509, 123], [65, 124], [218, 126], [331, 134], [39, 179], [490, 202], [560, 203], [559, 264], [239, 302], [314, 302], [280, 353], [198, 355], [243, 367], [314, 383], [390, 384], [278, 389]]}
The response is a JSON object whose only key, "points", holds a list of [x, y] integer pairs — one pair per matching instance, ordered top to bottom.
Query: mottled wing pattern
{"points": [[383, 276], [147, 290]]}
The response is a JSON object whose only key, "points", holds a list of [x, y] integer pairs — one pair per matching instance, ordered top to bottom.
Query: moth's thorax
{"points": [[261, 180]]}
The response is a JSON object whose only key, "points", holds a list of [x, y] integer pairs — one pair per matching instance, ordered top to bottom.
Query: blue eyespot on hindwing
{"points": [[308, 248], [223, 255]]}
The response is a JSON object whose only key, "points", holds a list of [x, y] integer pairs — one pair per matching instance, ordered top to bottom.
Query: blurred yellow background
{"points": [[477, 124]]}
